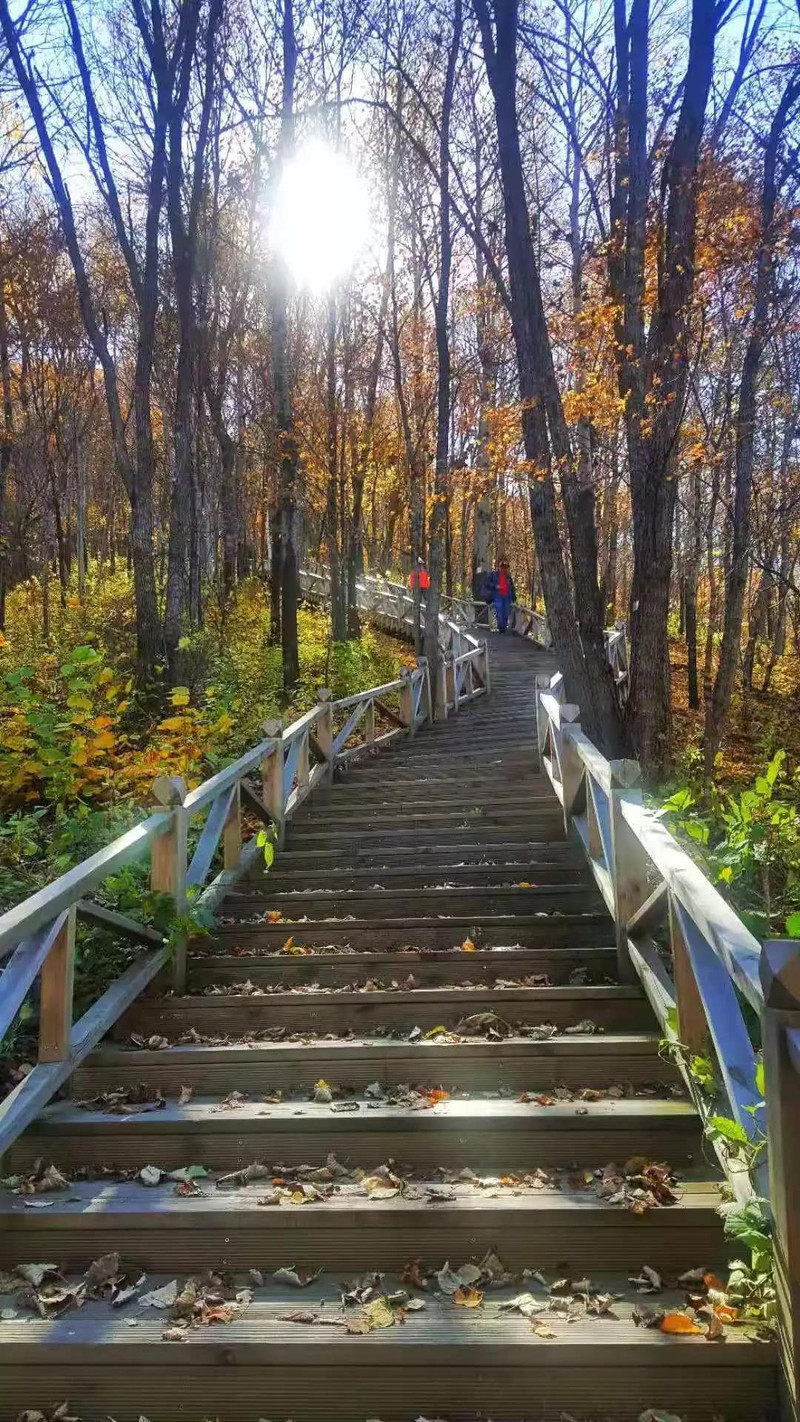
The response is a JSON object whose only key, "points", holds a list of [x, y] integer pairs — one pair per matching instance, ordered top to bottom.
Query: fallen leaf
{"points": [[468, 946], [185, 1096], [150, 1175], [299, 1278], [448, 1279], [468, 1297], [161, 1298], [379, 1313], [679, 1323]]}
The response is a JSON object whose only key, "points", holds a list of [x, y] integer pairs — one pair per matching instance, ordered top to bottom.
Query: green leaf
{"points": [[269, 853], [793, 925], [760, 1079], [729, 1130]]}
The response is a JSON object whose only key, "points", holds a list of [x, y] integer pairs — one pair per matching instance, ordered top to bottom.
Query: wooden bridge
{"points": [[400, 1139]]}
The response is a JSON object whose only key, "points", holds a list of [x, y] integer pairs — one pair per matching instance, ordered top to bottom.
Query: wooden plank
{"points": [[387, 711], [353, 720], [224, 779], [255, 804], [213, 829], [232, 831], [168, 863], [219, 888], [40, 908], [650, 914], [717, 921], [118, 922], [23, 968], [655, 980], [55, 999], [693, 1029], [780, 1029], [729, 1034], [24, 1103]]}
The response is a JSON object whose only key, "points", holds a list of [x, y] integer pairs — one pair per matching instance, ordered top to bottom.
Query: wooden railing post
{"points": [[486, 672], [451, 682], [542, 683], [406, 697], [440, 698], [369, 724], [323, 732], [569, 760], [272, 780], [232, 832], [628, 860], [168, 862], [55, 1001], [693, 1027], [780, 1035]]}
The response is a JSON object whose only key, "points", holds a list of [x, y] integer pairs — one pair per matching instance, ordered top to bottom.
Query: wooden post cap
{"points": [[324, 693], [272, 727], [625, 773], [169, 790], [779, 971]]}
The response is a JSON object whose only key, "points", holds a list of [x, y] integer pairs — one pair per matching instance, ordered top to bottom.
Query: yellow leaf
{"points": [[180, 696], [173, 723], [104, 741], [468, 946], [468, 1298], [379, 1313]]}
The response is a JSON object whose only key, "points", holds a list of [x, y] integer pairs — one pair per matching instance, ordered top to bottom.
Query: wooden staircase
{"points": [[430, 958]]}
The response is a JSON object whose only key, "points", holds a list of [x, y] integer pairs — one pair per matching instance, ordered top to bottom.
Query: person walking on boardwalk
{"points": [[419, 578], [502, 593]]}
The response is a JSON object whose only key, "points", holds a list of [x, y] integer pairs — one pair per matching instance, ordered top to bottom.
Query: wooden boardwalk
{"points": [[410, 1042]]}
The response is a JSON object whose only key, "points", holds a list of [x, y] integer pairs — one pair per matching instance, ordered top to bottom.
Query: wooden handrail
{"points": [[288, 764], [698, 964]]}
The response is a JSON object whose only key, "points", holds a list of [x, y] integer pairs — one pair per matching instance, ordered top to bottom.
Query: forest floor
{"points": [[761, 723], [81, 743]]}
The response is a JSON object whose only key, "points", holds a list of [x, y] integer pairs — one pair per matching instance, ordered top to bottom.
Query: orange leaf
{"points": [[468, 946], [437, 1093], [713, 1281], [468, 1298], [679, 1323]]}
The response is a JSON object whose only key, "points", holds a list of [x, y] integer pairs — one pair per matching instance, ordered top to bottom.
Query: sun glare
{"points": [[320, 220]]}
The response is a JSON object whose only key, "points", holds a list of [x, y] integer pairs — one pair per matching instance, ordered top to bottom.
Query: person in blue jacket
{"points": [[500, 590]]}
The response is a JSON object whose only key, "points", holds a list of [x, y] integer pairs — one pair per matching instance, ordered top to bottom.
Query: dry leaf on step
{"points": [[299, 1278], [379, 1313], [679, 1323]]}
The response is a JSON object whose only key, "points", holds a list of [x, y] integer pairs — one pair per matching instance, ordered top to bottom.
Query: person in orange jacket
{"points": [[419, 578]]}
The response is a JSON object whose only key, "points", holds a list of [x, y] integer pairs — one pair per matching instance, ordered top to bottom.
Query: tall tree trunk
{"points": [[533, 357], [653, 368], [6, 443], [438, 517], [285, 579], [718, 708]]}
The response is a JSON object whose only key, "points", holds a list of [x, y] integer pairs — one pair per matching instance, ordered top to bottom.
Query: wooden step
{"points": [[364, 820], [478, 832], [498, 853], [421, 875], [428, 903], [486, 931], [430, 969], [615, 1008], [516, 1065], [496, 1135], [562, 1227], [446, 1360]]}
